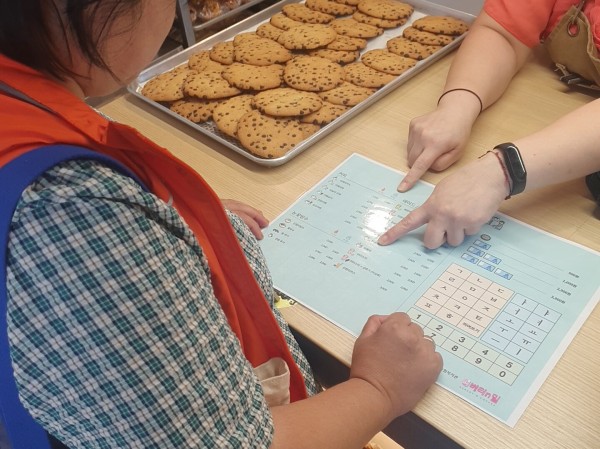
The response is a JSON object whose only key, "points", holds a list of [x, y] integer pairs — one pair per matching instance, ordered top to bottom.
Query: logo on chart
{"points": [[476, 389]]}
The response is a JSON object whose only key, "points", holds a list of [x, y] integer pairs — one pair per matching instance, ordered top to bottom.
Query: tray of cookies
{"points": [[275, 83]]}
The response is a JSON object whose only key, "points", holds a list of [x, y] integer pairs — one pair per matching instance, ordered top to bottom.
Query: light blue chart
{"points": [[502, 307]]}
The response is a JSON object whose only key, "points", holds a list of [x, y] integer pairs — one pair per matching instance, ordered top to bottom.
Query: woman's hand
{"points": [[436, 140], [459, 205], [253, 218], [392, 355], [393, 365]]}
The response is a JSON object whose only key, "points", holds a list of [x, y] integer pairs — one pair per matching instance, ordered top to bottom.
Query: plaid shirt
{"points": [[116, 336]]}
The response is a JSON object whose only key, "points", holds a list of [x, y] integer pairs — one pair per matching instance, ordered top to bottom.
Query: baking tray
{"points": [[421, 8], [221, 17]]}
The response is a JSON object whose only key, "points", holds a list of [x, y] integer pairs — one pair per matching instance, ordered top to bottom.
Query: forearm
{"points": [[486, 62], [567, 149], [343, 417]]}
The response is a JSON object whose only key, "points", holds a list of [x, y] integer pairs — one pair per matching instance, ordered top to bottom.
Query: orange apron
{"points": [[52, 115]]}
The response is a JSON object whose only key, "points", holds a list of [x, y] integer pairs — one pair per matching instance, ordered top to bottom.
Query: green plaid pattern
{"points": [[116, 336]]}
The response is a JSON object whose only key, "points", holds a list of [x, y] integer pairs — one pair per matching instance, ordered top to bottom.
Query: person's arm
{"points": [[485, 63], [567, 149], [116, 284], [392, 367]]}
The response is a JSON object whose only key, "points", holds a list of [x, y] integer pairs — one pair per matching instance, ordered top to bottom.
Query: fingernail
{"points": [[403, 187], [383, 240]]}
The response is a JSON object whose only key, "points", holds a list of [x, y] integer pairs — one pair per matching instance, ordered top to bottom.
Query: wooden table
{"points": [[566, 411]]}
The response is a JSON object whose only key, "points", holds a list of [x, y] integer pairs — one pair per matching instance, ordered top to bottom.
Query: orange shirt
{"points": [[530, 21]]}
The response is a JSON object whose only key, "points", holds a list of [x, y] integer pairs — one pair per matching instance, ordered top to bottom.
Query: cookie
{"points": [[348, 2], [330, 7], [385, 9], [302, 13], [376, 21], [283, 22], [441, 25], [350, 27], [269, 31], [307, 36], [244, 37], [425, 37], [347, 43], [405, 47], [434, 48], [261, 51], [222, 52], [339, 56], [202, 62], [387, 62], [179, 69], [313, 73], [362, 75], [251, 77], [167, 86], [208, 86], [347, 94], [287, 102], [194, 109], [227, 113], [326, 114], [308, 129], [269, 137]]}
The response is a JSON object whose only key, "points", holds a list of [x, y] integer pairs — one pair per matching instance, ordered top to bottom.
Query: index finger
{"points": [[418, 169], [413, 220]]}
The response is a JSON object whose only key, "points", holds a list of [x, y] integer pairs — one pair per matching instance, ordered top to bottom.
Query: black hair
{"points": [[26, 37]]}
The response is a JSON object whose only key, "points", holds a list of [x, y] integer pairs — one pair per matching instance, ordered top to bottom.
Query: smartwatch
{"points": [[514, 166]]}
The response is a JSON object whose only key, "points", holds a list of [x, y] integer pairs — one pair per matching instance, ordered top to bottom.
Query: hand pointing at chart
{"points": [[489, 58], [459, 205]]}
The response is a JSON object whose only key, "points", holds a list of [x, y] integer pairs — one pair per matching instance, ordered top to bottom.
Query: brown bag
{"points": [[571, 47], [274, 377]]}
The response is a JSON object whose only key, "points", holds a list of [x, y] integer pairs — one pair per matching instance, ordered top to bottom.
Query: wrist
{"points": [[461, 96], [514, 167], [496, 173], [379, 397]]}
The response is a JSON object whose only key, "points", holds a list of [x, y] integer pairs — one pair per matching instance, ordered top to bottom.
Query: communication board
{"points": [[502, 307]]}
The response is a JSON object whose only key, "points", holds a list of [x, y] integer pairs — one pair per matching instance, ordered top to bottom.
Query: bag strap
{"points": [[576, 82], [22, 431]]}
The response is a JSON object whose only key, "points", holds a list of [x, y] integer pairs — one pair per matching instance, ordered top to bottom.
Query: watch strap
{"points": [[514, 166]]}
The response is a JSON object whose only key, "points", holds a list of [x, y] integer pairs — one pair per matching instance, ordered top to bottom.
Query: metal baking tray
{"points": [[422, 8], [232, 12]]}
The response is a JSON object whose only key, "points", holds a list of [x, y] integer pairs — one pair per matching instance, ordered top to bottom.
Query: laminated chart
{"points": [[502, 307]]}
